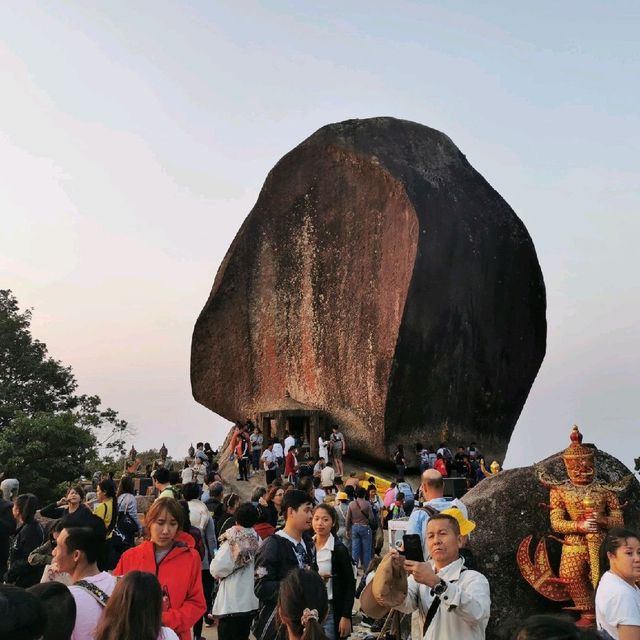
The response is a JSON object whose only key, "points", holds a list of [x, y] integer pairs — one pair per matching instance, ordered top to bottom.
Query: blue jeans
{"points": [[361, 544], [328, 624]]}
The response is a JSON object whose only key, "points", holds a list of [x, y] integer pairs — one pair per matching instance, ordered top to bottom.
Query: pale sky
{"points": [[135, 137]]}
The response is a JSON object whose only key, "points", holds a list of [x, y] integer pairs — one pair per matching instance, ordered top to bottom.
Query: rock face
{"points": [[381, 279], [509, 507]]}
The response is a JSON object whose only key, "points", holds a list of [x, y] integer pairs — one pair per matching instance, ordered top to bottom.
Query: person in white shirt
{"points": [[289, 442], [323, 448], [279, 452], [269, 463], [187, 473], [199, 473], [327, 478], [319, 493], [76, 552], [233, 566], [334, 566], [617, 595], [464, 601]]}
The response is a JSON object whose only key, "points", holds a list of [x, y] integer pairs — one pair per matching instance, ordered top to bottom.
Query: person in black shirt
{"points": [[73, 512], [7, 529], [29, 536], [285, 550]]}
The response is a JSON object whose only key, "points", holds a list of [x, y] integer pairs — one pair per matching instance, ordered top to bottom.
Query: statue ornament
{"points": [[163, 461], [132, 463], [494, 468], [582, 510]]}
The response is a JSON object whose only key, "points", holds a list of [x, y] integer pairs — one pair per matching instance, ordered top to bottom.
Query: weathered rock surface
{"points": [[381, 279], [509, 507]]}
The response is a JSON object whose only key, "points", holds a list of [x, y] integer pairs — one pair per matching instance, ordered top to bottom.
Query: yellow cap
{"points": [[466, 526]]}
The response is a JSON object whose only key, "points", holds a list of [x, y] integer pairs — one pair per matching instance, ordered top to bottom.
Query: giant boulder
{"points": [[381, 279], [512, 505]]}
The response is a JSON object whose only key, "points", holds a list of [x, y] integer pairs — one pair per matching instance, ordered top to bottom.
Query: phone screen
{"points": [[413, 547]]}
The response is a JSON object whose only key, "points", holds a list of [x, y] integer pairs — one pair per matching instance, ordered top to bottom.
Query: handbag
{"points": [[126, 525]]}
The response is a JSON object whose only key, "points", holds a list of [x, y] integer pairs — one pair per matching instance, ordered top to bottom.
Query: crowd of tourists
{"points": [[307, 552]]}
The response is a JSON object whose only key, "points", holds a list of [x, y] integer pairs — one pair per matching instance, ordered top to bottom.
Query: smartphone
{"points": [[412, 547]]}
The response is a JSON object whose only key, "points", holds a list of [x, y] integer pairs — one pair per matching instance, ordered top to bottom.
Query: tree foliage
{"points": [[30, 380], [48, 433], [44, 450]]}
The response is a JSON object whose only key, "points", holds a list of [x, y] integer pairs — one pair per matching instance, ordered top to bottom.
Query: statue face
{"points": [[581, 471]]}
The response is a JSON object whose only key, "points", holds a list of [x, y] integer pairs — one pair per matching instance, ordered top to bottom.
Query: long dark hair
{"points": [[125, 485], [107, 487], [27, 505], [616, 537], [303, 592], [134, 610]]}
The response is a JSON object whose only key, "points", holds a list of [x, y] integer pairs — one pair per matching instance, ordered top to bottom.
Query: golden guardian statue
{"points": [[582, 510]]}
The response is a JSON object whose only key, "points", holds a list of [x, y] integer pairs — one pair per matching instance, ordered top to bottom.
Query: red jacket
{"points": [[290, 464], [441, 466], [264, 530], [180, 572]]}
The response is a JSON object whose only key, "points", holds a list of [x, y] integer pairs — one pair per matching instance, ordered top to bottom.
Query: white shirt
{"points": [[289, 442], [277, 449], [323, 452], [267, 458], [199, 473], [187, 475], [327, 477], [320, 495], [323, 558], [617, 603], [464, 607], [88, 610], [167, 634]]}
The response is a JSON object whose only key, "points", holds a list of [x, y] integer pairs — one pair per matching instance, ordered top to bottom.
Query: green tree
{"points": [[30, 380], [48, 434], [45, 450]]}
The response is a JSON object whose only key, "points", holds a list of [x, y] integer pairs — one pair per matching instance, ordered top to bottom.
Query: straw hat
{"points": [[466, 526], [387, 590]]}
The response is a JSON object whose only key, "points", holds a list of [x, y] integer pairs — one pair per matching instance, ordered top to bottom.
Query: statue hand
{"points": [[588, 526]]}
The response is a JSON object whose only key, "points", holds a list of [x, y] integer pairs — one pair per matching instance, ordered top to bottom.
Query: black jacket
{"points": [[216, 509], [81, 517], [7, 529], [28, 537], [274, 560], [344, 584]]}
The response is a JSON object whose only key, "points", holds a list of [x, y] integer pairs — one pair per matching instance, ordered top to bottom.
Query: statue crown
{"points": [[576, 449]]}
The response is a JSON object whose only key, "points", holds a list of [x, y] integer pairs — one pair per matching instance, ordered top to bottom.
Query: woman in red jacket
{"points": [[441, 466], [170, 555]]}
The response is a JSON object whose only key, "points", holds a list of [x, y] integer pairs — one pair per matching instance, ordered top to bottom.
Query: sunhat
{"points": [[387, 590]]}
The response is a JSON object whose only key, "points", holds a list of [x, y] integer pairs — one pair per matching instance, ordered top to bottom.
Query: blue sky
{"points": [[135, 137]]}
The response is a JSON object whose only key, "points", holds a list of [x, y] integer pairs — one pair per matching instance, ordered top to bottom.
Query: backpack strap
{"points": [[98, 594]]}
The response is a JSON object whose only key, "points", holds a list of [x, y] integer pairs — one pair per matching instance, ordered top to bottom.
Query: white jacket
{"points": [[198, 514], [200, 517], [235, 593], [464, 607]]}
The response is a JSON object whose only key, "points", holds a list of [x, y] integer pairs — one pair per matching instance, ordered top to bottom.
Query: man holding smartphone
{"points": [[454, 602]]}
